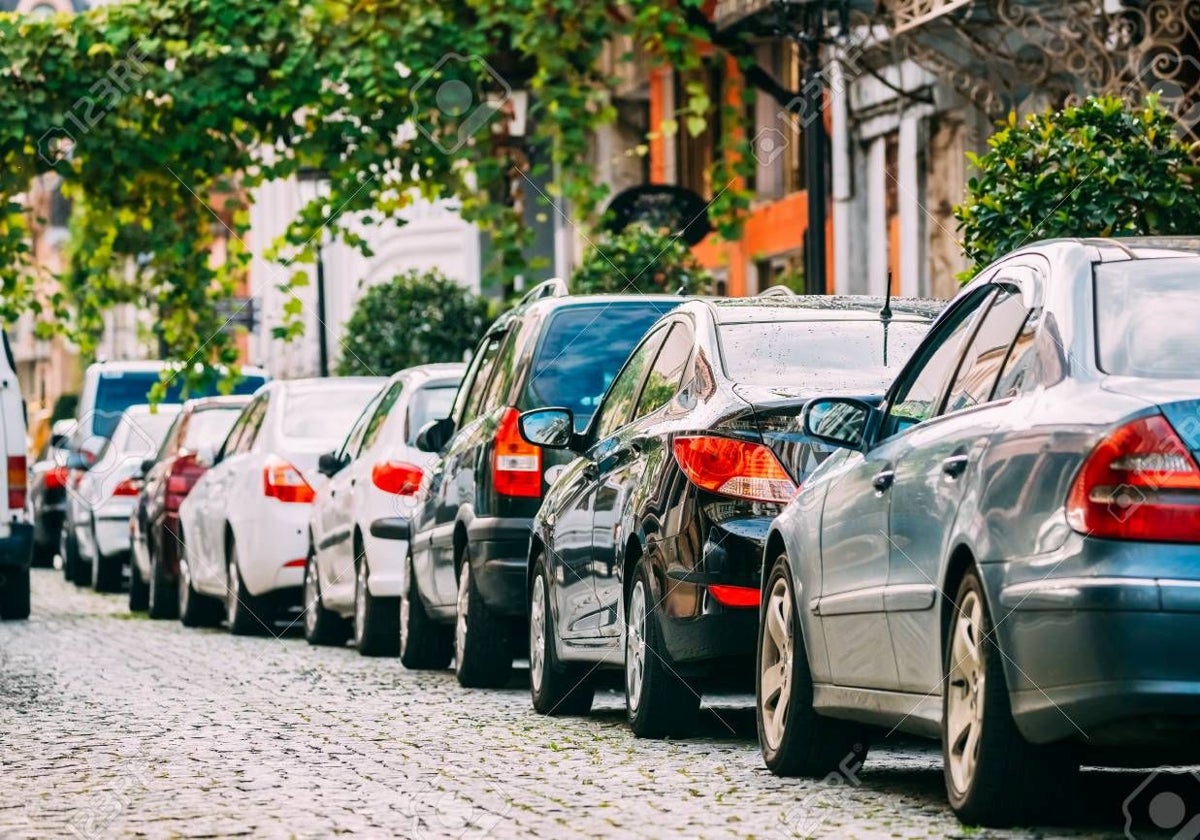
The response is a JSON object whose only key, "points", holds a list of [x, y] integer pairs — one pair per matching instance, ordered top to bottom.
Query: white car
{"points": [[100, 502], [244, 525], [359, 531], [16, 533]]}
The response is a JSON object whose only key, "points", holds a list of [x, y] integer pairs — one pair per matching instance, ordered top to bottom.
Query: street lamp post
{"points": [[816, 150], [311, 183]]}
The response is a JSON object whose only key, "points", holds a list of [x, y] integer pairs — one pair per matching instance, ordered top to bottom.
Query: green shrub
{"points": [[1101, 168], [639, 259], [413, 319]]}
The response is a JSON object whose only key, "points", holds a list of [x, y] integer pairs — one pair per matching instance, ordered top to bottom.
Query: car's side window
{"points": [[989, 347], [506, 371], [1021, 371], [666, 374], [623, 392], [470, 395], [917, 396], [381, 409], [254, 423], [174, 436], [233, 439], [354, 441]]}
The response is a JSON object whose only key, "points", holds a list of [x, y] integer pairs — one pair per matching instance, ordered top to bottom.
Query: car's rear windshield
{"points": [[1148, 318], [582, 350], [850, 354], [117, 390], [429, 404], [324, 414], [209, 426]]}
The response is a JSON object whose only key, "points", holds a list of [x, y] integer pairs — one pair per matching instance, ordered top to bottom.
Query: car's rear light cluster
{"points": [[516, 463], [739, 468], [184, 474], [17, 477], [397, 477], [56, 478], [284, 482], [1139, 483], [127, 487]]}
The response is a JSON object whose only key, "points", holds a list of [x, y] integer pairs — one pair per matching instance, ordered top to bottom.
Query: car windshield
{"points": [[1146, 317], [582, 351], [853, 354], [117, 390], [429, 404], [324, 414], [209, 426]]}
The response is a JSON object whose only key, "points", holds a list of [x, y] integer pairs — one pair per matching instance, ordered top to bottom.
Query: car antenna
{"points": [[886, 312]]}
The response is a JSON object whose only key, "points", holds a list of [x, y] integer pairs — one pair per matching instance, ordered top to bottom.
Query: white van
{"points": [[16, 532]]}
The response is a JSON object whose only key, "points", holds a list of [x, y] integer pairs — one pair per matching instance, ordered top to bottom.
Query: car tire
{"points": [[43, 555], [107, 572], [139, 590], [14, 593], [160, 604], [195, 609], [245, 614], [376, 620], [321, 626], [424, 644], [482, 650], [556, 688], [659, 703], [795, 740], [994, 777]]}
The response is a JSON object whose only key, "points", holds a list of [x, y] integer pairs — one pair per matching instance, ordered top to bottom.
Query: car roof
{"points": [[1122, 248], [545, 305], [774, 308], [437, 371], [317, 383], [205, 403], [146, 408]]}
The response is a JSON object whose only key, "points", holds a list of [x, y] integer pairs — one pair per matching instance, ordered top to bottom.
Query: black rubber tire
{"points": [[69, 549], [43, 555], [108, 572], [139, 590], [14, 593], [160, 601], [195, 609], [245, 614], [321, 626], [378, 631], [424, 643], [482, 649], [563, 688], [667, 705], [811, 745], [1015, 783]]}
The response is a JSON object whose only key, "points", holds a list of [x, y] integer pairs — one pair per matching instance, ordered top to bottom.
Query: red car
{"points": [[202, 424]]}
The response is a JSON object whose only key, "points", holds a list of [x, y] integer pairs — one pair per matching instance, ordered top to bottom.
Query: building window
{"points": [[778, 134], [695, 156], [786, 269]]}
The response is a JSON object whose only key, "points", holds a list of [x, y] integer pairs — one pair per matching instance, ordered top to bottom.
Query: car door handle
{"points": [[955, 465], [590, 471], [882, 482]]}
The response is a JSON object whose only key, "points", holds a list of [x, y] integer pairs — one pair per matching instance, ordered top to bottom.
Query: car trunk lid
{"points": [[1177, 399], [776, 414]]}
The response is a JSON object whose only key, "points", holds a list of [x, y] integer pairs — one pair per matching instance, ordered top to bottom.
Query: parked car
{"points": [[108, 389], [168, 476], [48, 493], [101, 501], [16, 532], [470, 539], [244, 540], [358, 543], [650, 543], [1003, 552]]}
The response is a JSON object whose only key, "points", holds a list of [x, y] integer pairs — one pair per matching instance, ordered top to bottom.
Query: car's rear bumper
{"points": [[112, 534], [16, 546], [272, 548], [499, 560], [723, 635], [1100, 650]]}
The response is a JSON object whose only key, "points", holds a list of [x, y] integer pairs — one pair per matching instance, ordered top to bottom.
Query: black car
{"points": [[48, 493], [470, 537], [648, 549]]}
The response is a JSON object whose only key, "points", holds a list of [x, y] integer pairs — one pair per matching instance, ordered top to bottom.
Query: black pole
{"points": [[816, 150], [322, 346]]}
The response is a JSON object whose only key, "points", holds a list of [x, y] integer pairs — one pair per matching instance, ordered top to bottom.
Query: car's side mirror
{"points": [[838, 421], [553, 428], [435, 434], [59, 440], [206, 456], [76, 460], [330, 463], [148, 465]]}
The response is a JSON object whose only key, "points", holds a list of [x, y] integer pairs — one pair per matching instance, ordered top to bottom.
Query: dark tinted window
{"points": [[1147, 312], [989, 348], [581, 352], [666, 375], [477, 378], [116, 391], [618, 403], [427, 405], [380, 415], [354, 440]]}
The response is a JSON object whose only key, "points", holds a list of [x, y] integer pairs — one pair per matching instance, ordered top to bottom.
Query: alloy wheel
{"points": [[185, 585], [233, 589], [312, 598], [464, 602], [360, 603], [537, 633], [635, 646], [775, 662], [965, 692]]}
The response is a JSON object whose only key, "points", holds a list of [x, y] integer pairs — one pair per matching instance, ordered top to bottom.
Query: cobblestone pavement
{"points": [[114, 725]]}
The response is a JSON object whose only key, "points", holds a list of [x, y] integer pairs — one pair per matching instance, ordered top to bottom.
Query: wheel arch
{"points": [[962, 560]]}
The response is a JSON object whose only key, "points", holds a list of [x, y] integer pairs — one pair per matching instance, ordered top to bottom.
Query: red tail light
{"points": [[516, 464], [731, 467], [184, 474], [17, 477], [397, 477], [56, 478], [284, 482], [1139, 483], [128, 487], [735, 596]]}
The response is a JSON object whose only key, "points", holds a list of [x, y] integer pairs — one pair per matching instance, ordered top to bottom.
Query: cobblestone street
{"points": [[112, 725]]}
